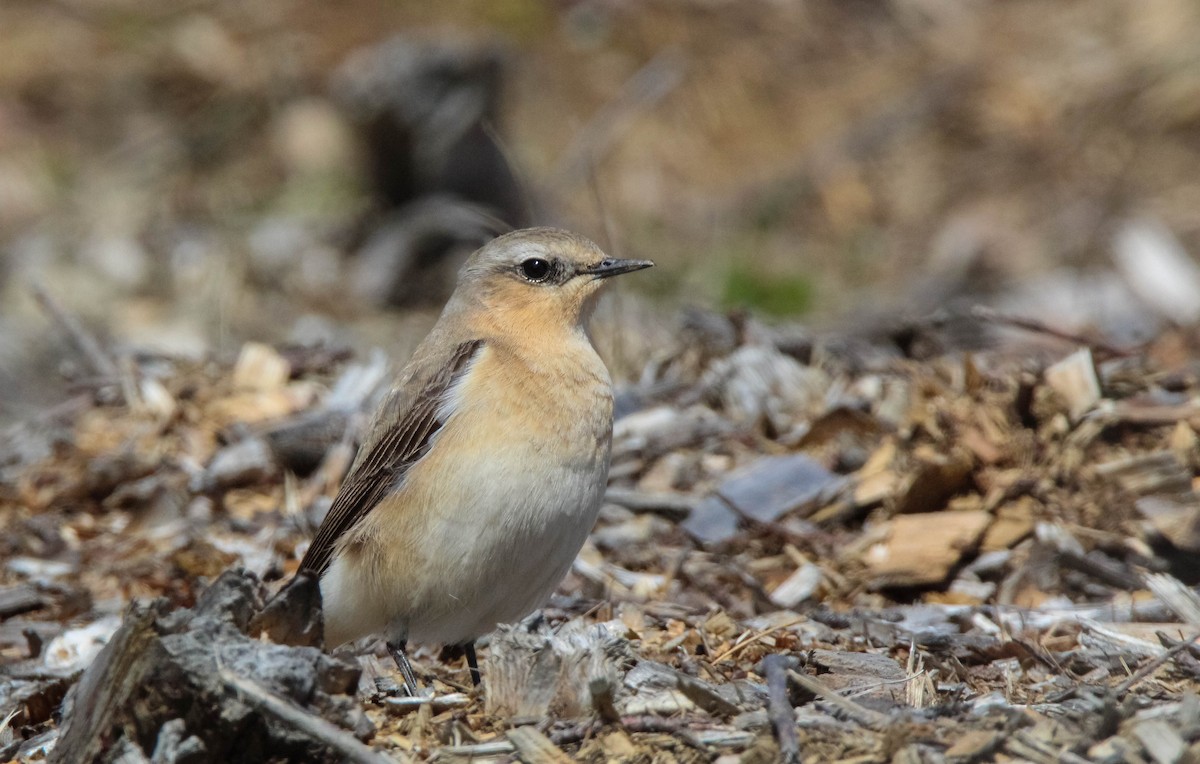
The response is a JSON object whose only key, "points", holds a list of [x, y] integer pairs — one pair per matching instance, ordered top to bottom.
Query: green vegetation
{"points": [[777, 294]]}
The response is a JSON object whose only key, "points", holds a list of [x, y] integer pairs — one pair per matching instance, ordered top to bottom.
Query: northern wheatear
{"points": [[482, 472]]}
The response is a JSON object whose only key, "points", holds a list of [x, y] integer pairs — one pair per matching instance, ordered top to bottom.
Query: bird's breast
{"points": [[556, 402], [525, 443]]}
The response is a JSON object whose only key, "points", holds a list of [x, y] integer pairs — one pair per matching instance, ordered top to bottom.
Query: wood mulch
{"points": [[813, 549]]}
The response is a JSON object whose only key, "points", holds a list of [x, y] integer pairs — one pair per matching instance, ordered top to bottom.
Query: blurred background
{"points": [[185, 176]]}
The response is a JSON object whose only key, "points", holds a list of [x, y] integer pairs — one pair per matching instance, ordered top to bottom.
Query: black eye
{"points": [[535, 269]]}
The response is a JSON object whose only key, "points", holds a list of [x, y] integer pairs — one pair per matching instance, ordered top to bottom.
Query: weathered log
{"points": [[165, 669]]}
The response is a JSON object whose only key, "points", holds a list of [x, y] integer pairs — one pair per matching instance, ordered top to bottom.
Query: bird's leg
{"points": [[472, 662], [406, 669]]}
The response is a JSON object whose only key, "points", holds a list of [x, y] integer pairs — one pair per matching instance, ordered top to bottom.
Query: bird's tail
{"points": [[293, 615]]}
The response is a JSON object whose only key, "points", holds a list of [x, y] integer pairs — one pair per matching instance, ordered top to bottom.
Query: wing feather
{"points": [[384, 459]]}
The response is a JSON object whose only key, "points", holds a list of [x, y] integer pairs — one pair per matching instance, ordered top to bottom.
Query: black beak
{"points": [[614, 267]]}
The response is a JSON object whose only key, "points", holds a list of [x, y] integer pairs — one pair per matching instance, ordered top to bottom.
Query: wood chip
{"points": [[1158, 269], [259, 367], [1074, 378], [935, 478], [673, 506], [1175, 519], [1013, 523], [923, 549], [798, 587], [1182, 600], [864, 716], [1161, 741], [973, 745], [535, 748]]}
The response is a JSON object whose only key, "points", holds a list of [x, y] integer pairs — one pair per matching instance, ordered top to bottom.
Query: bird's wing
{"points": [[399, 436]]}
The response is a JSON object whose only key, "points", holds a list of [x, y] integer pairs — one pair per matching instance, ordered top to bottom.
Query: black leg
{"points": [[472, 663], [406, 669]]}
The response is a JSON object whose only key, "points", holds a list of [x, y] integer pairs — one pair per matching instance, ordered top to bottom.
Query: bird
{"points": [[485, 465]]}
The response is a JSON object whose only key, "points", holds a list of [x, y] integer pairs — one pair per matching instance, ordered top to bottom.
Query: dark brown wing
{"points": [[385, 458]]}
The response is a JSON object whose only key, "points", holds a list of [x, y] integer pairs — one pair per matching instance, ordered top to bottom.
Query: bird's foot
{"points": [[467, 650], [473, 663], [406, 670]]}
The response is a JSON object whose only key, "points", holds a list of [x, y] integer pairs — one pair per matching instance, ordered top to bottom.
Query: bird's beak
{"points": [[614, 267]]}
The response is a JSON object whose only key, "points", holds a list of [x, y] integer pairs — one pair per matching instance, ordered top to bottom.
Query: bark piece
{"points": [[758, 384], [652, 432], [301, 442], [247, 462], [1155, 472], [877, 480], [776, 485], [763, 491], [673, 506], [1176, 520], [712, 521], [1179, 597], [21, 598], [294, 616], [539, 674], [874, 680], [658, 688], [30, 700], [855, 711], [1161, 741], [341, 743], [974, 745]]}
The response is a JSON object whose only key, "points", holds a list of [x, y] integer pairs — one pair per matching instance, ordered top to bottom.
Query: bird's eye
{"points": [[535, 269]]}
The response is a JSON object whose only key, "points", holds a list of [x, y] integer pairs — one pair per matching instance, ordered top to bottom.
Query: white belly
{"points": [[494, 557], [501, 559]]}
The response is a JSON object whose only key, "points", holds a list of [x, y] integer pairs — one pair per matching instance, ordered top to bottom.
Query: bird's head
{"points": [[539, 276]]}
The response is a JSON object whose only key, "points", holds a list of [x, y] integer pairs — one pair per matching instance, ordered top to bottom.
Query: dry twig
{"points": [[993, 316], [83, 340], [1153, 665], [859, 713], [783, 718], [338, 740]]}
